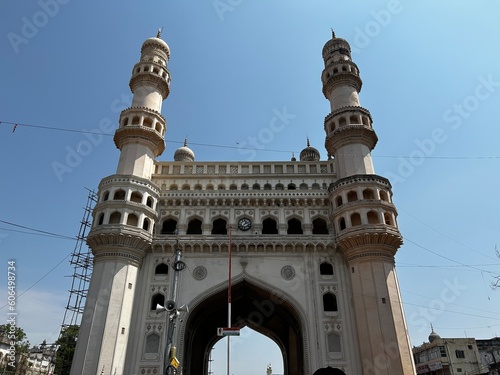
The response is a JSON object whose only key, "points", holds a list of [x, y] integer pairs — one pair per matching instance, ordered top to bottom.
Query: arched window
{"points": [[136, 120], [354, 120], [342, 121], [147, 122], [255, 186], [315, 186], [173, 187], [186, 187], [210, 187], [233, 187], [244, 187], [268, 187], [280, 187], [291, 187], [303, 187], [368, 194], [119, 195], [105, 196], [352, 196], [383, 196], [136, 197], [338, 201], [149, 202], [372, 217], [115, 218], [388, 218], [101, 219], [132, 219], [355, 219], [145, 224], [342, 225], [169, 226], [219, 226], [269, 226], [294, 226], [319, 226], [194, 227], [161, 269], [326, 269], [157, 299], [330, 302], [334, 343], [152, 344]]}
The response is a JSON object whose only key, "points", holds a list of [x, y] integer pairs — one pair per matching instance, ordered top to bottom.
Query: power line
{"points": [[16, 124], [38, 231]]}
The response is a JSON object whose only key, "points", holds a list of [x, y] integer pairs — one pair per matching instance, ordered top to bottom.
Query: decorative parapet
{"points": [[350, 134], [226, 169], [360, 179], [128, 180], [356, 241], [246, 245]]}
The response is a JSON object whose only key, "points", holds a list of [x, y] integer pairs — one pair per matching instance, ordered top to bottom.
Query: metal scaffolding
{"points": [[81, 260]]}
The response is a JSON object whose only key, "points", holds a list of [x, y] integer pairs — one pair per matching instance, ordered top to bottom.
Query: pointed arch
{"points": [[278, 318]]}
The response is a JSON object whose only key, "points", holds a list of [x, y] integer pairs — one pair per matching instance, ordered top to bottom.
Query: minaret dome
{"points": [[184, 153], [309, 153]]}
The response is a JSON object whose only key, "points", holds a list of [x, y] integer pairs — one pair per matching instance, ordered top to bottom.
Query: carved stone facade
{"points": [[313, 244]]}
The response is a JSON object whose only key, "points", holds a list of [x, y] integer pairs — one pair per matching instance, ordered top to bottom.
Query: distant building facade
{"points": [[489, 352], [448, 356], [41, 359]]}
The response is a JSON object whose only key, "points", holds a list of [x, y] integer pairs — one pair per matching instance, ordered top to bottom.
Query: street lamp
{"points": [[171, 363]]}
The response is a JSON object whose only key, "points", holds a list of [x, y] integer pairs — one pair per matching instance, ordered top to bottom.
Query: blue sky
{"points": [[431, 79]]}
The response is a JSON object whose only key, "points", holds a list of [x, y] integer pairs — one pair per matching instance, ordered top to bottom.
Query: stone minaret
{"points": [[364, 218], [123, 219]]}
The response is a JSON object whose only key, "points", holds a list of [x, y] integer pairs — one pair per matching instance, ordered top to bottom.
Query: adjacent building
{"points": [[448, 356]]}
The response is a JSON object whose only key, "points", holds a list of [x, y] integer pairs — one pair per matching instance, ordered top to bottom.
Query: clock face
{"points": [[244, 224]]}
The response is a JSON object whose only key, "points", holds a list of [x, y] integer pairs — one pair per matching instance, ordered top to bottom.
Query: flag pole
{"points": [[229, 298]]}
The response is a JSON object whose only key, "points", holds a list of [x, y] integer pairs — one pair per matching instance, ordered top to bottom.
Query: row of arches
{"points": [[151, 68], [344, 68], [131, 119], [334, 123], [255, 186], [366, 194], [135, 196], [370, 217], [116, 218], [220, 226]]}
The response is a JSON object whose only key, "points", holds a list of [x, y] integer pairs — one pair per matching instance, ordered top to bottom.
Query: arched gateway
{"points": [[313, 242], [261, 309]]}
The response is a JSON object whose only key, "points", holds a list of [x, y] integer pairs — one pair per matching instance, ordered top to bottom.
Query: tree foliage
{"points": [[496, 279], [16, 339], [66, 350]]}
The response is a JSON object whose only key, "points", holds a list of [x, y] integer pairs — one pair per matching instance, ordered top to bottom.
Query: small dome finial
{"points": [[333, 33], [158, 34], [185, 141], [308, 143]]}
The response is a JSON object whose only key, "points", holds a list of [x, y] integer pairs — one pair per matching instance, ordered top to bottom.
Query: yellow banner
{"points": [[175, 362]]}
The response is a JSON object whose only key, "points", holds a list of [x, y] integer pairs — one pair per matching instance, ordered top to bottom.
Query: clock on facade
{"points": [[244, 224]]}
